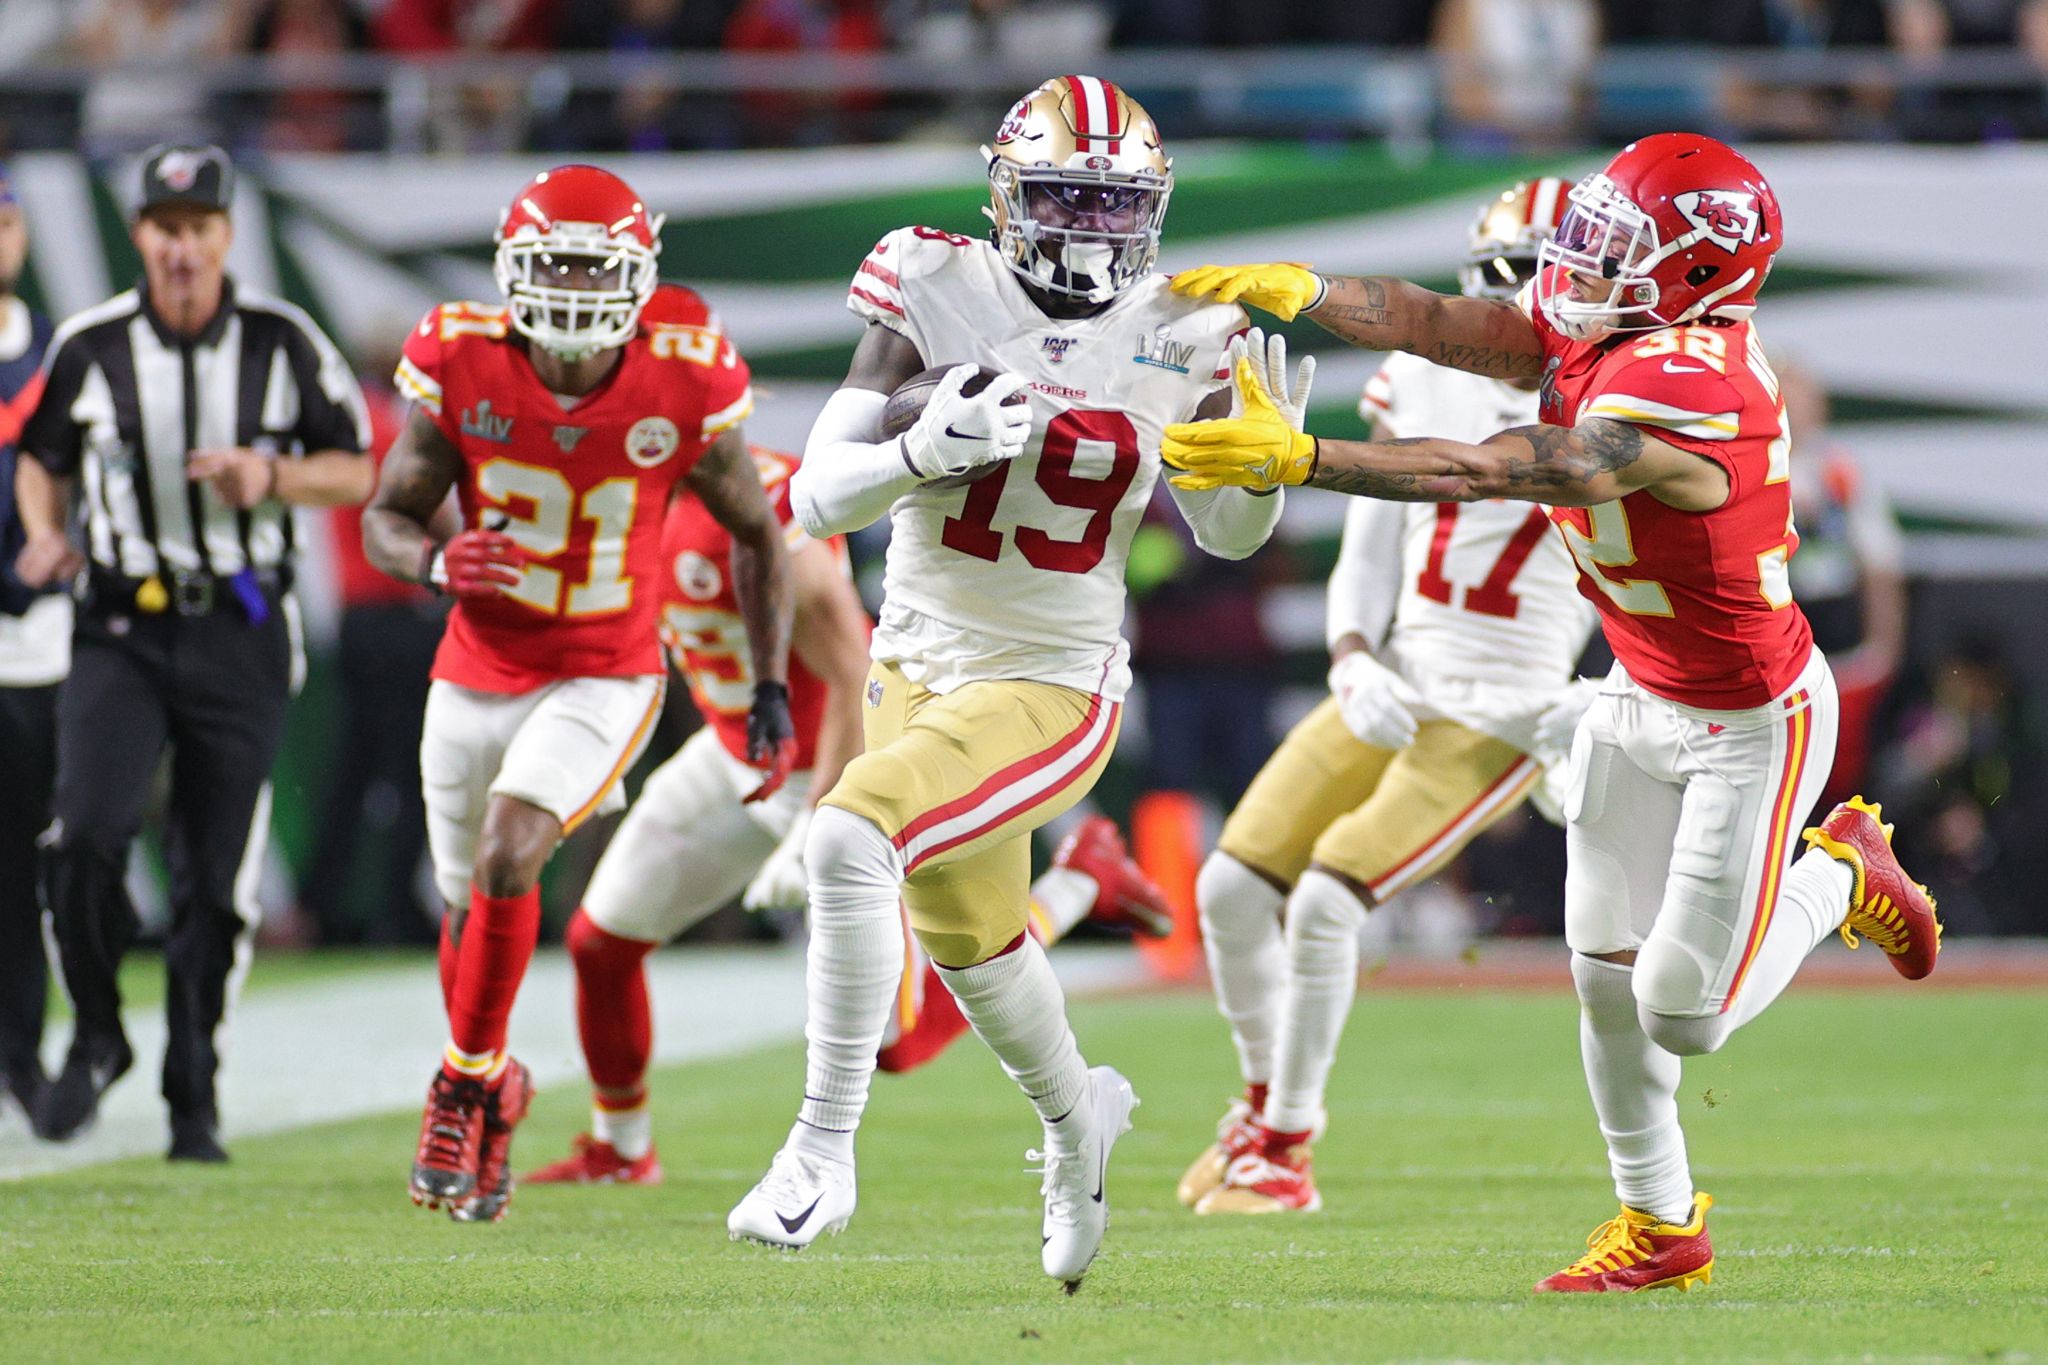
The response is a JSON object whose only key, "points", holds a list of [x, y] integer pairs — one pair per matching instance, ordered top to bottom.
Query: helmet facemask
{"points": [[1085, 234], [1603, 235], [576, 289]]}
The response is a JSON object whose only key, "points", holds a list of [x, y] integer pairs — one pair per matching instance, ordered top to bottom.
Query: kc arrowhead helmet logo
{"points": [[1727, 218]]}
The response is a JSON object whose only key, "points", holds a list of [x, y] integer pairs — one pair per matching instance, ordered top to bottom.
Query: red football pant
{"points": [[497, 942], [613, 1016]]}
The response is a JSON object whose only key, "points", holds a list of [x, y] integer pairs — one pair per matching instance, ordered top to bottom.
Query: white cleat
{"points": [[1075, 1186], [800, 1199]]}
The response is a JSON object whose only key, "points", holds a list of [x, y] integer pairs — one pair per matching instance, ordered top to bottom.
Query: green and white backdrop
{"points": [[1912, 281]]}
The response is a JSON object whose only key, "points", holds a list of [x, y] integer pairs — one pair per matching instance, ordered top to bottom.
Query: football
{"points": [[906, 405]]}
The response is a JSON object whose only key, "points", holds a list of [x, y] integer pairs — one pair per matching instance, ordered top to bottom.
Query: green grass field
{"points": [[1881, 1162]]}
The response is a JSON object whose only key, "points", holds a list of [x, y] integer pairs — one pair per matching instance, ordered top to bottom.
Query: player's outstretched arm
{"points": [[1382, 314], [1594, 462], [850, 476], [1229, 523], [398, 525]]}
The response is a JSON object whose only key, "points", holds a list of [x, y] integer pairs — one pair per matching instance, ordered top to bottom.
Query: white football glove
{"points": [[1268, 355], [957, 434], [1376, 702], [1560, 720], [782, 883]]}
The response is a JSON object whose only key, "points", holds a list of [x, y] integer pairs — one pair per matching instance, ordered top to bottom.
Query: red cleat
{"points": [[1125, 897], [1888, 907], [506, 1101], [1237, 1132], [591, 1162], [444, 1168], [1276, 1175], [1634, 1251]]}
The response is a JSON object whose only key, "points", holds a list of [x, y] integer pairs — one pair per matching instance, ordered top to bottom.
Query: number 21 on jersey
{"points": [[540, 506]]}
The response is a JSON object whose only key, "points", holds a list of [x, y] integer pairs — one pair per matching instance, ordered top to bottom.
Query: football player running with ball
{"points": [[566, 420], [1664, 456], [1453, 629], [999, 669], [694, 840]]}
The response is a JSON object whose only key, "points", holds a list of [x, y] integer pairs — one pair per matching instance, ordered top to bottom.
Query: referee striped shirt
{"points": [[125, 400]]}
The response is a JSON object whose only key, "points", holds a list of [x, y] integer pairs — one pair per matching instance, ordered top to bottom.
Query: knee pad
{"points": [[848, 853], [1233, 901], [1323, 910], [1673, 978], [1684, 1036]]}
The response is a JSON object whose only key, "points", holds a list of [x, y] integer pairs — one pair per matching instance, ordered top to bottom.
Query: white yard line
{"points": [[367, 1043]]}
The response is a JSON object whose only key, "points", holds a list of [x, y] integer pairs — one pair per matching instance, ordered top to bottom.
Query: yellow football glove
{"points": [[1282, 289], [1258, 450]]}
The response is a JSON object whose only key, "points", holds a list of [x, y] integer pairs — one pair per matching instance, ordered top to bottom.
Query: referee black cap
{"points": [[185, 173]]}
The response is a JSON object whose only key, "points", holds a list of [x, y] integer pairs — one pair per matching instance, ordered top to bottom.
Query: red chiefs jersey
{"points": [[583, 488], [1697, 606], [701, 624]]}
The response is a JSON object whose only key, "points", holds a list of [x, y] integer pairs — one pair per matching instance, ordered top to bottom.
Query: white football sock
{"points": [[1061, 899], [1813, 900], [1323, 919], [1247, 953], [851, 973], [1015, 1003], [1635, 1093], [629, 1131]]}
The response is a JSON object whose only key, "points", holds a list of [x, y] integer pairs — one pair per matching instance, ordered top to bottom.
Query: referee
{"points": [[188, 416]]}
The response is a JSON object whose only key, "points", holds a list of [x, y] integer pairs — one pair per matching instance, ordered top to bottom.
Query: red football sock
{"points": [[497, 943], [449, 951], [612, 1014], [938, 1024]]}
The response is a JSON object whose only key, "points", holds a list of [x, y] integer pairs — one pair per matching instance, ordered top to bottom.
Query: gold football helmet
{"points": [[1078, 185], [1500, 253]]}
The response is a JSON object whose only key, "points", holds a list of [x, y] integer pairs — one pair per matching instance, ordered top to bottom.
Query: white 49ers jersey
{"points": [[1021, 575], [1481, 592]]}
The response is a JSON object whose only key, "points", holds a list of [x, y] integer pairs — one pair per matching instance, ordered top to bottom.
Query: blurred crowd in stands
{"points": [[1507, 72]]}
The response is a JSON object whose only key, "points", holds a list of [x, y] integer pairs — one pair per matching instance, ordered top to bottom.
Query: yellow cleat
{"points": [[1886, 906], [1633, 1251]]}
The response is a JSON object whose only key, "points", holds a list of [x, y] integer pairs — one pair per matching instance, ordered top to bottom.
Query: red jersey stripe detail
{"points": [[880, 272], [876, 300], [1799, 729]]}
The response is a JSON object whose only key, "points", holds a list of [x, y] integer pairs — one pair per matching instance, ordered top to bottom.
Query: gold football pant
{"points": [[958, 782], [1384, 818]]}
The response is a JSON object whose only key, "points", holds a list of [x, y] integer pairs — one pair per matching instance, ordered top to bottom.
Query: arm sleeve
{"points": [[332, 414], [50, 437], [849, 477], [1229, 523], [1365, 587]]}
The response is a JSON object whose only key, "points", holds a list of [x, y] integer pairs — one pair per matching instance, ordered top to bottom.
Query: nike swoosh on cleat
{"points": [[1101, 1166], [792, 1224]]}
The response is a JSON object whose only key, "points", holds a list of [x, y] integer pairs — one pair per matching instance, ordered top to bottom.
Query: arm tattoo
{"points": [[1479, 335], [1565, 456], [422, 466], [1392, 485]]}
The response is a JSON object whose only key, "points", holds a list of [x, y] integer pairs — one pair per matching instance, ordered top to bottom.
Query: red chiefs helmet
{"points": [[1686, 228], [576, 260]]}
